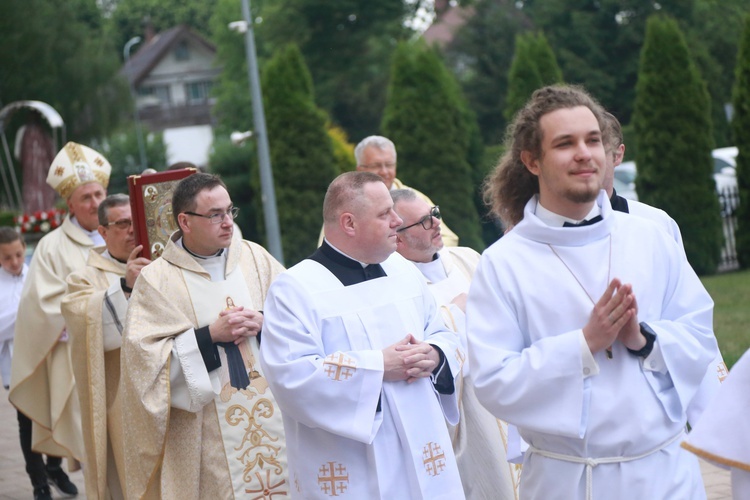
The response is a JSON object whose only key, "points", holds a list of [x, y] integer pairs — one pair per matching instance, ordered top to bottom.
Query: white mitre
{"points": [[76, 165]]}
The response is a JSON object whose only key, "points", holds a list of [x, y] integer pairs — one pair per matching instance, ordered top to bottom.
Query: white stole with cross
{"points": [[249, 419]]}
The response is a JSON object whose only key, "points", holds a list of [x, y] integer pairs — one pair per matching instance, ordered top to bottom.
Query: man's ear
{"points": [[619, 154], [530, 162], [182, 222], [348, 223], [103, 231]]}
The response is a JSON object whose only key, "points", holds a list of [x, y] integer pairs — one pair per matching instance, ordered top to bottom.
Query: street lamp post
{"points": [[138, 131], [268, 196]]}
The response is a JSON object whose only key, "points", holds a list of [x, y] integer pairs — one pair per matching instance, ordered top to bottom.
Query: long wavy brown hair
{"points": [[510, 185]]}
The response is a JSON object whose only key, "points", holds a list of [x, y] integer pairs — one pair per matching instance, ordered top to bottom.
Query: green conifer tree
{"points": [[534, 66], [428, 120], [672, 121], [741, 130], [301, 152]]}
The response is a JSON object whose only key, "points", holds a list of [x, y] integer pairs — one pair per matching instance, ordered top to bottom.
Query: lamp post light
{"points": [[138, 132], [268, 196]]}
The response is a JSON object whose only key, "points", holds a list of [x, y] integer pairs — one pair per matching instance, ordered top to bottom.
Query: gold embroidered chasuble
{"points": [[97, 373], [43, 387], [172, 452]]}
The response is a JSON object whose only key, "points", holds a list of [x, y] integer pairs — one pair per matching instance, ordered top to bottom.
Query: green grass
{"points": [[731, 294]]}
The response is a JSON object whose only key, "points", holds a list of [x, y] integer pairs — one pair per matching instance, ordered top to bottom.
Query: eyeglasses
{"points": [[378, 166], [218, 218], [427, 222], [121, 224]]}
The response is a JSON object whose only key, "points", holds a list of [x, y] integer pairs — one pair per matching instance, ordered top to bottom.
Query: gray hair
{"points": [[375, 141], [398, 195], [111, 201]]}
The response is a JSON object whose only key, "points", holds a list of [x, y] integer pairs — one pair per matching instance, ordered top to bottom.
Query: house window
{"points": [[181, 52], [198, 92], [154, 95]]}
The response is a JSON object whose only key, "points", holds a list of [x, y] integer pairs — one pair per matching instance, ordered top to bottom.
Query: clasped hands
{"points": [[614, 317], [236, 324], [409, 359]]}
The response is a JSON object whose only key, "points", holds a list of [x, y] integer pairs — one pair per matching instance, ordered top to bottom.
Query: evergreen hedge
{"points": [[428, 121], [672, 121], [741, 130], [301, 152]]}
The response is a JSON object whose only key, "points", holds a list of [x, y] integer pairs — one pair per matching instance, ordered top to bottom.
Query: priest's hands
{"points": [[134, 266], [613, 318], [235, 324], [409, 359]]}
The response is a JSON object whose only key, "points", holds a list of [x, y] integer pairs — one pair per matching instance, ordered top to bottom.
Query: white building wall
{"points": [[191, 144]]}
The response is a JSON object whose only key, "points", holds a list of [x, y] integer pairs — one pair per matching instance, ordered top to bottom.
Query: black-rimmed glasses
{"points": [[218, 218], [427, 222], [121, 224]]}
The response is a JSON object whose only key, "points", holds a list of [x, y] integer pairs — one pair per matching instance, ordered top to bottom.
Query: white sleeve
{"points": [[114, 310], [190, 384]]}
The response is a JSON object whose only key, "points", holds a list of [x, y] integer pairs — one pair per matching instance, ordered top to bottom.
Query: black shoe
{"points": [[59, 480], [42, 493]]}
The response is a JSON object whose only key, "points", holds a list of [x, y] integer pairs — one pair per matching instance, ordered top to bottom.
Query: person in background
{"points": [[614, 149], [377, 154], [13, 271], [94, 310], [42, 381], [479, 439]]}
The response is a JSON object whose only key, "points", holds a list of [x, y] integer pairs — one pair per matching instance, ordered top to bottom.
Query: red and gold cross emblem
{"points": [[59, 171], [339, 366], [721, 370], [433, 459], [333, 479]]}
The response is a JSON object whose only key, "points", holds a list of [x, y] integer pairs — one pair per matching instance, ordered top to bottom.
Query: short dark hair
{"points": [[185, 164], [185, 193], [111, 201], [9, 235]]}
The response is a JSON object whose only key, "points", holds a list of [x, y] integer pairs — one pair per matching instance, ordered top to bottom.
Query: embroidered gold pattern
{"points": [[99, 161], [59, 171], [339, 365], [721, 369], [256, 450], [433, 459], [333, 479], [266, 489]]}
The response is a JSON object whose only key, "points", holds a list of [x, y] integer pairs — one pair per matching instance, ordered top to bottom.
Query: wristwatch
{"points": [[124, 286], [650, 338]]}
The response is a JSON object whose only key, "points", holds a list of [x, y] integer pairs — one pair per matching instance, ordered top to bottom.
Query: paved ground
{"points": [[15, 485]]}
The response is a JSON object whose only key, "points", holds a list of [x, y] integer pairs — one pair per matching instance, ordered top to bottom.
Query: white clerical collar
{"points": [[556, 220], [93, 235], [344, 254], [213, 264], [434, 270]]}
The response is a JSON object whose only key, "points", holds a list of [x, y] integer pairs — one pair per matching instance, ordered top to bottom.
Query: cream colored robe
{"points": [[450, 239], [97, 367], [43, 386], [480, 441], [172, 453]]}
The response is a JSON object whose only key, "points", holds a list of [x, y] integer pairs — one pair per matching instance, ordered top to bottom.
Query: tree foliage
{"points": [[56, 52], [534, 66], [428, 121], [741, 129], [673, 133], [121, 150], [301, 152]]}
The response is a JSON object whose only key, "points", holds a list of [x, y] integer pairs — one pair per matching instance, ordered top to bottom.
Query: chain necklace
{"points": [[609, 269]]}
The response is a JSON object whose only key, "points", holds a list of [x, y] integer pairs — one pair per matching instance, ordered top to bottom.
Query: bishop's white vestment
{"points": [[94, 310], [717, 370], [42, 382], [597, 427], [192, 433], [350, 434]]}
